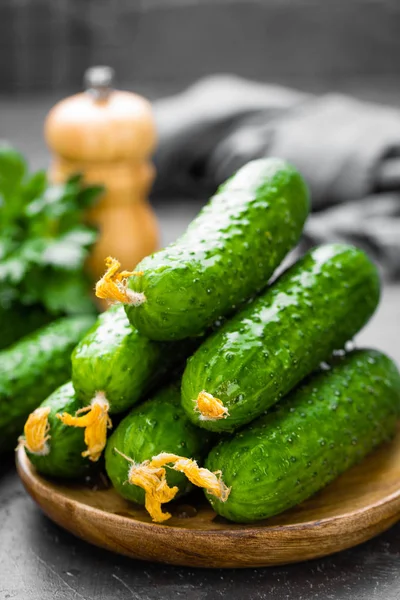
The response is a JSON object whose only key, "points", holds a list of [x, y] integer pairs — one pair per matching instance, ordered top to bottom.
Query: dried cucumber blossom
{"points": [[150, 475]]}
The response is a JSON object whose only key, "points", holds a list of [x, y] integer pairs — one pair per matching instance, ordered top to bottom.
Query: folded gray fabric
{"points": [[348, 151]]}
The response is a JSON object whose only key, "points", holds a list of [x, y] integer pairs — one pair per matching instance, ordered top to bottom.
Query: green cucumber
{"points": [[227, 254], [18, 320], [258, 356], [115, 359], [112, 367], [32, 368], [158, 425], [322, 428], [61, 454]]}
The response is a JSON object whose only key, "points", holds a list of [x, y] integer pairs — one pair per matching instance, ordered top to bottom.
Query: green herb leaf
{"points": [[12, 171], [43, 240]]}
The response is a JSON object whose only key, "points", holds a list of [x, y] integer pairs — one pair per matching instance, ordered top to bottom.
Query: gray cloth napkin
{"points": [[348, 151]]}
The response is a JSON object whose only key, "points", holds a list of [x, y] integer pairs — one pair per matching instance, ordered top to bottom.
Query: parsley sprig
{"points": [[43, 240]]}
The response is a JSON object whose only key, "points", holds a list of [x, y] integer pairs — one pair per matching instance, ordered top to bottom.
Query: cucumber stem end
{"points": [[113, 286], [210, 408], [95, 421], [36, 432], [150, 475], [199, 476], [153, 481]]}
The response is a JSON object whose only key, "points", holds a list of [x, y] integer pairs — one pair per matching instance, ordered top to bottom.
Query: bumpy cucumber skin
{"points": [[227, 254], [265, 350], [116, 359], [33, 368], [158, 425], [321, 429], [66, 444]]}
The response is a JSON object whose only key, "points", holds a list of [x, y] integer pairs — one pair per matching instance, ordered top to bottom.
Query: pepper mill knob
{"points": [[98, 81]]}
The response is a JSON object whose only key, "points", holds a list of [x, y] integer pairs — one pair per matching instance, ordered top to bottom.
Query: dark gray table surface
{"points": [[39, 561]]}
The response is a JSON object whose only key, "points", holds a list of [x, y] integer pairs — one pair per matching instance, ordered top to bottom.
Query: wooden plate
{"points": [[360, 504]]}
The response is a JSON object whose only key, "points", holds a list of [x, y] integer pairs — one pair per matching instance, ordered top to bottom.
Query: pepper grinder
{"points": [[109, 136]]}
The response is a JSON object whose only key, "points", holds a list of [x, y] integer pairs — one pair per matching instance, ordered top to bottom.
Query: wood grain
{"points": [[359, 505]]}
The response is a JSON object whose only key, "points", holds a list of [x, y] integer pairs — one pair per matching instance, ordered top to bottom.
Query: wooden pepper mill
{"points": [[109, 136]]}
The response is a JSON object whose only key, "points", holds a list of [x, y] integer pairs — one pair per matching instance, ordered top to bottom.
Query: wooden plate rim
{"points": [[25, 472]]}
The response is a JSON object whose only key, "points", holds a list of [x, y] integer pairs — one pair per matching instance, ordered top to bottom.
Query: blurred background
{"points": [[167, 44], [158, 47]]}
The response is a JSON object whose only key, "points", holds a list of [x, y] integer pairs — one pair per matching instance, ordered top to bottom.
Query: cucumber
{"points": [[227, 254], [18, 320], [114, 358], [255, 359], [112, 367], [32, 368], [158, 425], [321, 429], [61, 454]]}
